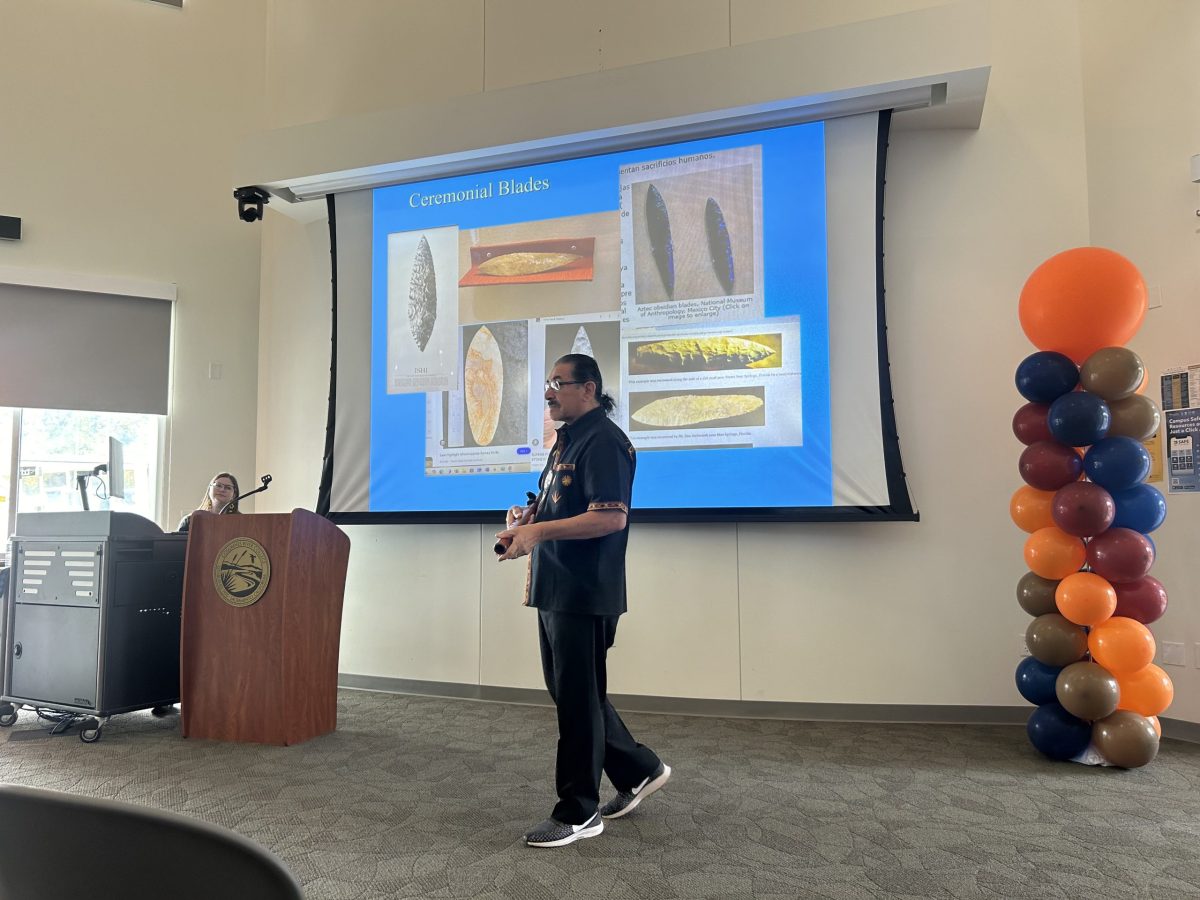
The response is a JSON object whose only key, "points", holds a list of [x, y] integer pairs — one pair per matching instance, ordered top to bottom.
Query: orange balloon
{"points": [[1081, 300], [1032, 509], [1054, 554], [1085, 598], [1122, 645], [1147, 692], [1153, 720]]}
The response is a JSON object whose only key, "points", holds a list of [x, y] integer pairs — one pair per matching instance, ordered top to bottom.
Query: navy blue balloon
{"points": [[1045, 376], [1079, 419], [1117, 463], [1140, 507], [1035, 681], [1057, 733]]}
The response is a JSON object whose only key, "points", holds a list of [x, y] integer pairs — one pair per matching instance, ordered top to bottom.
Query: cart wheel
{"points": [[160, 711], [8, 714], [91, 731]]}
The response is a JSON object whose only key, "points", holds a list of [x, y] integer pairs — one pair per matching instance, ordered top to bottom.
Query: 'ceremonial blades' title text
{"points": [[502, 188]]}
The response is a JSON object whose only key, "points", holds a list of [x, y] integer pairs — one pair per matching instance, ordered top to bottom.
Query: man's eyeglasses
{"points": [[557, 384]]}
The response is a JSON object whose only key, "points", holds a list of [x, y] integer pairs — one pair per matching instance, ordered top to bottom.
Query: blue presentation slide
{"points": [[695, 273]]}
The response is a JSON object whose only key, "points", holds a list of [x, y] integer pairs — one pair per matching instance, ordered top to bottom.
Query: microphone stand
{"points": [[266, 483]]}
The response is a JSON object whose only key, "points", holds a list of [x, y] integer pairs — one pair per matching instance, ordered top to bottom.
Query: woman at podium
{"points": [[220, 498]]}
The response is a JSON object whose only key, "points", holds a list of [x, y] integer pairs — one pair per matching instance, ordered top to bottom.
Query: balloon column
{"points": [[1088, 514]]}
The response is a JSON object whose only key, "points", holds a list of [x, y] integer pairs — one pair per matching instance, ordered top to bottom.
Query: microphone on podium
{"points": [[266, 483]]}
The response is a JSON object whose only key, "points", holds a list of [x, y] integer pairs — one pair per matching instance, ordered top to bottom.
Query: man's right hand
{"points": [[518, 541]]}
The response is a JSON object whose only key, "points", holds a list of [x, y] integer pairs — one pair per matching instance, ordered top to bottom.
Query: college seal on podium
{"points": [[241, 572]]}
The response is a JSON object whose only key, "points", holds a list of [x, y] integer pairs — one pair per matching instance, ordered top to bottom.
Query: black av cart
{"points": [[90, 622]]}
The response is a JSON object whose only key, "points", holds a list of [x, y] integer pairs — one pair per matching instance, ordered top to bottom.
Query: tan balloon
{"points": [[1112, 373], [1136, 417], [1036, 594], [1053, 640], [1087, 691], [1126, 739]]}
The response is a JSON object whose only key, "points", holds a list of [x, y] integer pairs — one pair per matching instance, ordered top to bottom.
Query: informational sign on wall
{"points": [[1181, 388], [1181, 423], [1183, 438]]}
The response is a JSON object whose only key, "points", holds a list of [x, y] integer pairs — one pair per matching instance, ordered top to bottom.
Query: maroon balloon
{"points": [[1032, 423], [1049, 465], [1083, 509], [1120, 554], [1144, 599]]}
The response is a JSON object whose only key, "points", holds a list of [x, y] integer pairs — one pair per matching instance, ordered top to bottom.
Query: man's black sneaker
{"points": [[626, 801], [553, 833]]}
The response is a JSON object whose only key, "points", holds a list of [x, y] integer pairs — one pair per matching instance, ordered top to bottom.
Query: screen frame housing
{"points": [[899, 508]]}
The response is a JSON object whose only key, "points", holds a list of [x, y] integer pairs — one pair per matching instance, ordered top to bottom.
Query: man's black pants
{"points": [[591, 736]]}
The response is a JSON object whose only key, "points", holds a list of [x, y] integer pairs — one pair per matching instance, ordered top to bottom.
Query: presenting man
{"points": [[576, 531]]}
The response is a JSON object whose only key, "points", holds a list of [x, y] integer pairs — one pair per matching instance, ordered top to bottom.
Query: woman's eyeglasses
{"points": [[222, 485]]}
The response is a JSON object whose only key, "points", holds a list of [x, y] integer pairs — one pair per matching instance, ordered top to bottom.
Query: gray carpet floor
{"points": [[425, 797]]}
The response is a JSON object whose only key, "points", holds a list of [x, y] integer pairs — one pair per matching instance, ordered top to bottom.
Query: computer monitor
{"points": [[116, 468]]}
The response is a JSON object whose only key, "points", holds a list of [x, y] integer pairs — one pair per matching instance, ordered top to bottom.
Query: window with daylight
{"points": [[45, 450]]}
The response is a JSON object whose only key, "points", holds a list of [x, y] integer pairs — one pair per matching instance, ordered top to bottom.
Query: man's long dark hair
{"points": [[584, 368]]}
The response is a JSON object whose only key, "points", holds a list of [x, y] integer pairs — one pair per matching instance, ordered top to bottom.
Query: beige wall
{"points": [[336, 59], [329, 60], [1142, 103], [118, 122], [293, 360], [893, 613]]}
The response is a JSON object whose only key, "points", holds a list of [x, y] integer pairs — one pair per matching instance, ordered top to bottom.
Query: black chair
{"points": [[55, 845]]}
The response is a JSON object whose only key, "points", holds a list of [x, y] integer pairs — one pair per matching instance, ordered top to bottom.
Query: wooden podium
{"points": [[262, 616]]}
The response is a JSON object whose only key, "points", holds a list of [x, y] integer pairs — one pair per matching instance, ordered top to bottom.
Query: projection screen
{"points": [[730, 288]]}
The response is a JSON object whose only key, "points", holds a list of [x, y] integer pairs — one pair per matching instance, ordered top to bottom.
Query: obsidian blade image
{"points": [[658, 228], [693, 231], [720, 251], [422, 295]]}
